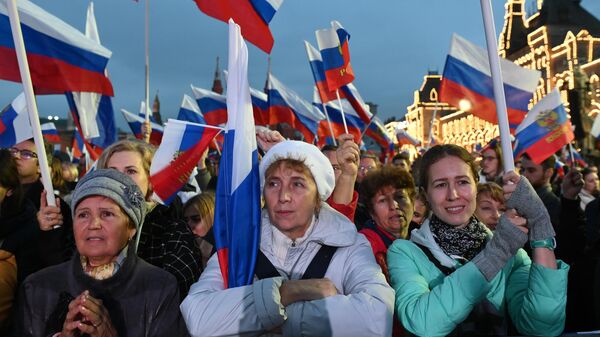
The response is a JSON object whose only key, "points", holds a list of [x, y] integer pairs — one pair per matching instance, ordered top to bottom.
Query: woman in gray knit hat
{"points": [[105, 289]]}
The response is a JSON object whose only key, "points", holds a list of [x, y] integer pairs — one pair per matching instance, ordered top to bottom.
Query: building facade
{"points": [[559, 38]]}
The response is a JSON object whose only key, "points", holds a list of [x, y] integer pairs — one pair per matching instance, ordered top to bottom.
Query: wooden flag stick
{"points": [[17, 34], [337, 93], [499, 97]]}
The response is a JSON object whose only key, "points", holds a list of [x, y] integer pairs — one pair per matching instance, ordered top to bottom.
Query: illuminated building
{"points": [[559, 38]]}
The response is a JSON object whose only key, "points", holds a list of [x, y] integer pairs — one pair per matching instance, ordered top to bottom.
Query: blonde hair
{"points": [[146, 152], [204, 204]]}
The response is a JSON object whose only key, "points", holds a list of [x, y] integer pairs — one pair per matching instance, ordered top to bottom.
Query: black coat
{"points": [[142, 300]]}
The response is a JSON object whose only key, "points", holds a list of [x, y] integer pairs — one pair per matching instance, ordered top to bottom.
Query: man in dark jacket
{"points": [[539, 176]]}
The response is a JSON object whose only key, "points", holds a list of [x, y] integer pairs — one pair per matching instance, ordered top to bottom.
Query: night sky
{"points": [[394, 43]]}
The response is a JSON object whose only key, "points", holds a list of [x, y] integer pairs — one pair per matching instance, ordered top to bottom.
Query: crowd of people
{"points": [[447, 243]]}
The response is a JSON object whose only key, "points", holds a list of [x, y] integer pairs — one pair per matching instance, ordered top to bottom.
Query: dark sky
{"points": [[393, 45]]}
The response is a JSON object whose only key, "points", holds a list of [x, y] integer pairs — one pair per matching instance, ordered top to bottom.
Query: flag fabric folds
{"points": [[253, 16], [333, 45], [60, 57], [467, 76], [349, 91], [212, 105], [285, 106], [260, 107], [189, 111], [93, 113], [353, 122], [14, 123], [135, 123], [545, 130], [377, 132], [50, 133], [404, 138], [182, 145], [78, 146], [237, 209]]}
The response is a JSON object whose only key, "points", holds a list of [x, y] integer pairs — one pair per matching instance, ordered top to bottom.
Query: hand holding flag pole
{"points": [[17, 34], [501, 111]]}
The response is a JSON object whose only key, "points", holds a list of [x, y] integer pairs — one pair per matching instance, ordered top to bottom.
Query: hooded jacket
{"points": [[430, 303], [363, 306]]}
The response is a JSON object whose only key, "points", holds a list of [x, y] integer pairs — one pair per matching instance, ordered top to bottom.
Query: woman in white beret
{"points": [[316, 276]]}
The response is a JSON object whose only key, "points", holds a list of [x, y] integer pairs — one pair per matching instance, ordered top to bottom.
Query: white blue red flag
{"points": [[253, 16], [335, 53], [60, 57], [467, 76], [348, 92], [212, 105], [285, 106], [260, 107], [189, 111], [334, 112], [93, 113], [14, 123], [135, 123], [545, 130], [377, 132], [50, 133], [404, 138], [182, 145], [78, 146], [237, 210]]}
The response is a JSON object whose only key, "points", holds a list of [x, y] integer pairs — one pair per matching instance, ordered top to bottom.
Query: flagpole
{"points": [[15, 24], [147, 51], [337, 93], [435, 109], [501, 111], [329, 124], [369, 124], [572, 156]]}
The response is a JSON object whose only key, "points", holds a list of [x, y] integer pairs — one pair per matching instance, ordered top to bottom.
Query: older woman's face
{"points": [[132, 164], [451, 191], [290, 197], [392, 210], [489, 210], [100, 229]]}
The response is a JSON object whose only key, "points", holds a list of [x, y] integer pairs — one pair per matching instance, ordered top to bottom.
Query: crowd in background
{"points": [[443, 244]]}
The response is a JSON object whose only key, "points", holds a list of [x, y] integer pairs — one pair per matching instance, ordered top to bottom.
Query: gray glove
{"points": [[527, 203], [504, 244]]}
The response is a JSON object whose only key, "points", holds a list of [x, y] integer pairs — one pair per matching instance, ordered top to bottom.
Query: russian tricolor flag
{"points": [[253, 16], [333, 44], [60, 57], [467, 76], [348, 91], [212, 105], [285, 106], [260, 107], [189, 111], [93, 113], [100, 117], [353, 122], [14, 123], [135, 123], [545, 130], [50, 133], [378, 133], [404, 138], [182, 145], [78, 146], [237, 209]]}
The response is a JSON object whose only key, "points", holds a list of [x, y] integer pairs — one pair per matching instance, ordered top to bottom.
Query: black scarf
{"points": [[464, 242]]}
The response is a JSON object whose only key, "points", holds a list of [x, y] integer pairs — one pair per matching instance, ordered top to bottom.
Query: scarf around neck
{"points": [[459, 243]]}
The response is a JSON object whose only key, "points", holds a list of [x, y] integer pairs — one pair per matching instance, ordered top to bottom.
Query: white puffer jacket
{"points": [[363, 307]]}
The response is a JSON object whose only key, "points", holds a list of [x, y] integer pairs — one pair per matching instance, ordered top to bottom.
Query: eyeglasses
{"points": [[23, 154], [367, 168], [193, 218]]}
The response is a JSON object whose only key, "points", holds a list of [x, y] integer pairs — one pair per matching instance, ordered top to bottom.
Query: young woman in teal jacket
{"points": [[455, 278]]}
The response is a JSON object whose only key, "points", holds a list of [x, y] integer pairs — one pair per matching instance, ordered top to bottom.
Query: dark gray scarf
{"points": [[462, 242]]}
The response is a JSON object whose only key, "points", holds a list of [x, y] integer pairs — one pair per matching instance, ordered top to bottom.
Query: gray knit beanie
{"points": [[115, 185]]}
